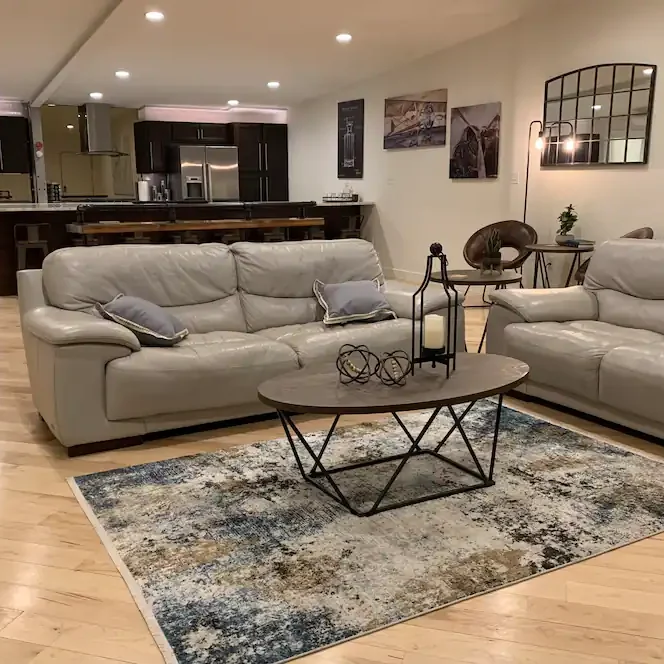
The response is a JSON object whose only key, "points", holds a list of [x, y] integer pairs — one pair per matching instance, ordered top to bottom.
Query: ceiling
{"points": [[209, 51]]}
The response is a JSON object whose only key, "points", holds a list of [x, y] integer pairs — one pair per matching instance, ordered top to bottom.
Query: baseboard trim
{"points": [[404, 275], [103, 446]]}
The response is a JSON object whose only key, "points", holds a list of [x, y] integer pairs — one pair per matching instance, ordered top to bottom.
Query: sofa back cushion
{"points": [[627, 277], [276, 280], [198, 281]]}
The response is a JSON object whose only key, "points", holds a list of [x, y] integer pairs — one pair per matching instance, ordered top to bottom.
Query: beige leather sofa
{"points": [[250, 311], [599, 347]]}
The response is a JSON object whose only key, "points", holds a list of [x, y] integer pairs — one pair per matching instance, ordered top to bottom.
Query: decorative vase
{"points": [[564, 238], [491, 264]]}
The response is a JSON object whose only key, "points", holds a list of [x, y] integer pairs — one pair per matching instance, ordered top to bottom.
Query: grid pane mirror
{"points": [[606, 108]]}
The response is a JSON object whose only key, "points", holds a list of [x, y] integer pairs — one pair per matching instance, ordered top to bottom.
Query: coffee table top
{"points": [[560, 248], [477, 278], [319, 390]]}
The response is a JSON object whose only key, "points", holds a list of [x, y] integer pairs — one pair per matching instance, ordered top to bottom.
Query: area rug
{"points": [[234, 558]]}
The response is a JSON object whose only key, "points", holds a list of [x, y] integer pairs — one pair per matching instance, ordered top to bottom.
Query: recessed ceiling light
{"points": [[155, 16], [344, 38], [648, 71], [121, 73], [273, 84], [96, 95], [233, 102], [51, 105], [596, 107], [70, 126]]}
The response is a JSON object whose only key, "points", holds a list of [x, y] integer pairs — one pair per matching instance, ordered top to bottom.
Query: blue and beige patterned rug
{"points": [[234, 558]]}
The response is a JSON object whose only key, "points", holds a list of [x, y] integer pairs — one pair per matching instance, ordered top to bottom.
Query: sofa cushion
{"points": [[198, 280], [276, 280], [629, 311], [153, 325], [316, 343], [567, 356], [218, 369], [631, 379]]}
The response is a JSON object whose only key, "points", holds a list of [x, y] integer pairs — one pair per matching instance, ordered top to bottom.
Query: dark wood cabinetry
{"points": [[184, 132], [192, 133], [152, 140], [15, 149], [262, 152], [262, 160]]}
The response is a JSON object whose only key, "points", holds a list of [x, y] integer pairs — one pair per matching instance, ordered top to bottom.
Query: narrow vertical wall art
{"points": [[350, 148]]}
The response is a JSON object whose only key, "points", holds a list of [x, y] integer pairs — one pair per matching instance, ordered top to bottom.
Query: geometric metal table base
{"points": [[319, 471]]}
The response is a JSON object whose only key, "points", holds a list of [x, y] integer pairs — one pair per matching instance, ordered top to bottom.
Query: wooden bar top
{"points": [[106, 227]]}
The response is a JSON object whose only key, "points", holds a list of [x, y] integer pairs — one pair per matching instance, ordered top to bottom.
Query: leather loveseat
{"points": [[250, 311], [599, 347]]}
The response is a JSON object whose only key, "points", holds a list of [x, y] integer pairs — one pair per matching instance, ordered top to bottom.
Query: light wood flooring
{"points": [[63, 602]]}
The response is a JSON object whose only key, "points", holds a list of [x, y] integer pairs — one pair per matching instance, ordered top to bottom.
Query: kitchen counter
{"points": [[345, 204], [149, 205]]}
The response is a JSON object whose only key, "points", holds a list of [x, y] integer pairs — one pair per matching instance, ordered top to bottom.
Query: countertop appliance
{"points": [[204, 173]]}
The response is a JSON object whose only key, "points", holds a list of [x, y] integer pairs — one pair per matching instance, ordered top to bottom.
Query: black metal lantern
{"points": [[434, 338]]}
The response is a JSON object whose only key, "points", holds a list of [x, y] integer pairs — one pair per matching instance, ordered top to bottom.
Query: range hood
{"points": [[94, 124]]}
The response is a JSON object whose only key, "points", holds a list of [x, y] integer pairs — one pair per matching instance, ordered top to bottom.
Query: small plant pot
{"points": [[564, 239], [492, 265]]}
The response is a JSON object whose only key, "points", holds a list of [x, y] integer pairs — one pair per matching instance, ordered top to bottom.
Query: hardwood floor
{"points": [[63, 602]]}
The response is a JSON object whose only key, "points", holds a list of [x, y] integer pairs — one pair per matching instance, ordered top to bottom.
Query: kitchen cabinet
{"points": [[185, 132], [192, 133], [214, 134], [151, 140], [15, 147], [262, 161], [251, 187]]}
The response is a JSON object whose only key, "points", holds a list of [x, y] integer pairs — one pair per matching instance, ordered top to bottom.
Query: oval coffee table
{"points": [[318, 391]]}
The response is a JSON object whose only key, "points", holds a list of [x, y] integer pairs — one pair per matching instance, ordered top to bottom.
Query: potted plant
{"points": [[568, 217], [492, 261]]}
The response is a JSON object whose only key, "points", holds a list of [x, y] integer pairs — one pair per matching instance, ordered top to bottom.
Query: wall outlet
{"points": [[515, 177]]}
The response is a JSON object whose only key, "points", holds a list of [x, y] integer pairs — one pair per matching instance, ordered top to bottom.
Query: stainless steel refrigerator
{"points": [[205, 173]]}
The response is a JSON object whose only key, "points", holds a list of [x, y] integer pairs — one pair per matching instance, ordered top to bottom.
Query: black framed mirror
{"points": [[599, 115]]}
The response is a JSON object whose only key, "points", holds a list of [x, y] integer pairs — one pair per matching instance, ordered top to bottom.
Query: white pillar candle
{"points": [[434, 331]]}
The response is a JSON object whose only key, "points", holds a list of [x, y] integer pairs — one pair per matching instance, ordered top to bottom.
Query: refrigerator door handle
{"points": [[260, 157], [266, 165], [208, 177], [206, 182], [260, 184], [267, 188]]}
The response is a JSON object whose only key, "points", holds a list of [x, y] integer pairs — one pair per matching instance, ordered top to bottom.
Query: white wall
{"points": [[610, 200], [416, 201]]}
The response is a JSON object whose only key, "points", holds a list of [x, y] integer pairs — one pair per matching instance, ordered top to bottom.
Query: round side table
{"points": [[540, 261], [478, 278]]}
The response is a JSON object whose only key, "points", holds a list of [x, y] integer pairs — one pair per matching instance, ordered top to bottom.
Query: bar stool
{"points": [[30, 236]]}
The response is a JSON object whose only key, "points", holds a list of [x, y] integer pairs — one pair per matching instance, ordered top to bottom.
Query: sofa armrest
{"points": [[400, 298], [548, 304], [60, 327]]}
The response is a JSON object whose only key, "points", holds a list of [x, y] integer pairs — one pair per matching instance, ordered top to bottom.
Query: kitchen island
{"points": [[54, 218], [59, 219]]}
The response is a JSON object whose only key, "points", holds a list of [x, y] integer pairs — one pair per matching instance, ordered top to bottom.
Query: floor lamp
{"points": [[540, 144]]}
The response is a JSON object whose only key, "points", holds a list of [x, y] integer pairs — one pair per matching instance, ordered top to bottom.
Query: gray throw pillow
{"points": [[352, 302], [152, 325]]}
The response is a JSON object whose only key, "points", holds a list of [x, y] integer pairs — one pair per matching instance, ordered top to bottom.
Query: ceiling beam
{"points": [[60, 71]]}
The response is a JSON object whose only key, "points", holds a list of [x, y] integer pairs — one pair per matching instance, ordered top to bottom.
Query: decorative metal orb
{"points": [[436, 249], [356, 364], [394, 368]]}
